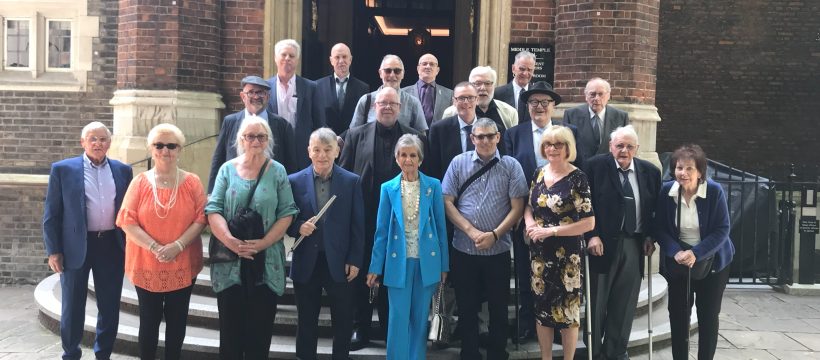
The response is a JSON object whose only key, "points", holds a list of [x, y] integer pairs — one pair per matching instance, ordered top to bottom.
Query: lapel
{"points": [[300, 87], [274, 101], [368, 141], [527, 145], [79, 172], [615, 176], [311, 189], [425, 194], [395, 199]]}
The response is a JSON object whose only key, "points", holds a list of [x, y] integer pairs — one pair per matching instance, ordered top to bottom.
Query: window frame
{"points": [[46, 42], [32, 55]]}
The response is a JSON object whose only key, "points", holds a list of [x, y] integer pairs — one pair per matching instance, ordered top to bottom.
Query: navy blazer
{"points": [[506, 93], [309, 116], [335, 118], [585, 143], [445, 144], [518, 144], [225, 149], [608, 204], [713, 216], [64, 219], [342, 226], [389, 255]]}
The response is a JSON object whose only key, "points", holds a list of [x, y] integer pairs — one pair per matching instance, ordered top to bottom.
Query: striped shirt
{"points": [[100, 193], [486, 202]]}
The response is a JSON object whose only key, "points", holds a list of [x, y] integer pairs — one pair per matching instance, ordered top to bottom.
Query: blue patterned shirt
{"points": [[486, 202]]}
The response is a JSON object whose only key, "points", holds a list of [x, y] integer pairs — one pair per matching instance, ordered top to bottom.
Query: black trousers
{"points": [[474, 276], [708, 295], [308, 304], [173, 305], [363, 316], [246, 322]]}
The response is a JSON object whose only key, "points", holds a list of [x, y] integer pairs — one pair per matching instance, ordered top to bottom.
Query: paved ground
{"points": [[755, 324]]}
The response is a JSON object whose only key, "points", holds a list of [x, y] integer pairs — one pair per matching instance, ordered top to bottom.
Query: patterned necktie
{"points": [[340, 94], [428, 102], [596, 127], [468, 144], [539, 160], [630, 217]]}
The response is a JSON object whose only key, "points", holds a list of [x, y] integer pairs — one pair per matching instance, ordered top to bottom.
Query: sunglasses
{"points": [[396, 71], [482, 137], [171, 146]]}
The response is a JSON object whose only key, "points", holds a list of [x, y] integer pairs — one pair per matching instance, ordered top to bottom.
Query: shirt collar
{"points": [[339, 79], [290, 81], [420, 83], [518, 88], [263, 114], [601, 115], [462, 123], [535, 126], [384, 131], [474, 156], [87, 161], [631, 165], [317, 176], [701, 193]]}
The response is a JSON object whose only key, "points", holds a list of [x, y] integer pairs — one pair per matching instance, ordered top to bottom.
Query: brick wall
{"points": [[533, 22], [241, 46], [740, 77], [22, 254]]}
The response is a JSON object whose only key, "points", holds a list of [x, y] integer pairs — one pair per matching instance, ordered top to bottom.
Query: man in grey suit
{"points": [[522, 70], [391, 71], [434, 97], [595, 120]]}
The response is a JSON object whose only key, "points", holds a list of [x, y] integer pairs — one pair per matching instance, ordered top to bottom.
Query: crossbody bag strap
{"points": [[475, 176], [258, 178]]}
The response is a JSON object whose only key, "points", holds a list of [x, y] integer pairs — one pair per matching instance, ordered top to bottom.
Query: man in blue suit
{"points": [[255, 94], [294, 98], [338, 112], [83, 198], [331, 253]]}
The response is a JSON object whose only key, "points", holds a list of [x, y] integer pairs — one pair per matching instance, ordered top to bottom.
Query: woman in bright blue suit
{"points": [[409, 250]]}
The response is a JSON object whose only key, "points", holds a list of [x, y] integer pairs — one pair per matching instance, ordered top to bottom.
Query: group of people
{"points": [[394, 194]]}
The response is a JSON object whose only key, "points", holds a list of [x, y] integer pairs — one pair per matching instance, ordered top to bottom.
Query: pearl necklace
{"points": [[406, 192], [160, 209]]}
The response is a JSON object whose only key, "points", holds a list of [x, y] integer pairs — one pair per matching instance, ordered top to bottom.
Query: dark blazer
{"points": [[506, 93], [444, 98], [309, 116], [335, 118], [586, 143], [445, 144], [518, 144], [283, 151], [357, 157], [608, 204], [713, 216], [64, 222], [342, 232]]}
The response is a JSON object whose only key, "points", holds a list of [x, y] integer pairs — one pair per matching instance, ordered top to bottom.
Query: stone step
{"points": [[202, 342]]}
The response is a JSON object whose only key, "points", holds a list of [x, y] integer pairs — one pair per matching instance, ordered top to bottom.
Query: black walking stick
{"points": [[587, 300], [688, 308]]}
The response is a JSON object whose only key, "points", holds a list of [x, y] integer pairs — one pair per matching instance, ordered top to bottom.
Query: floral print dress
{"points": [[556, 270]]}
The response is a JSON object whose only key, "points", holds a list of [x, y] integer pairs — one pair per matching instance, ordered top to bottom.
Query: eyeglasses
{"points": [[428, 63], [396, 71], [479, 84], [256, 93], [593, 94], [463, 99], [387, 103], [544, 103], [251, 137], [482, 137], [102, 139], [171, 146], [557, 146], [628, 147]]}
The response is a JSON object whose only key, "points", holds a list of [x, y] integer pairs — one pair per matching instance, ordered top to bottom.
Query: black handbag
{"points": [[246, 224], [700, 269]]}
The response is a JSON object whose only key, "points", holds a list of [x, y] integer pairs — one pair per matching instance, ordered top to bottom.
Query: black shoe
{"points": [[525, 336], [483, 339], [359, 340], [440, 345], [581, 354]]}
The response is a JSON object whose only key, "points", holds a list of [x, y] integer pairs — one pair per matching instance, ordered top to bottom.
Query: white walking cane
{"points": [[649, 288], [588, 304]]}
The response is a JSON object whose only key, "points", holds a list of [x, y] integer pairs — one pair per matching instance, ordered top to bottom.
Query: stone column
{"points": [[616, 40], [168, 65]]}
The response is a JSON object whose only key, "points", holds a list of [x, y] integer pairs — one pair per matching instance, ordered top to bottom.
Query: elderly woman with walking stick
{"points": [[692, 227]]}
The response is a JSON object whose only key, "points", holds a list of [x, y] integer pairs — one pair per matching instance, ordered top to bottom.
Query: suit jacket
{"points": [[506, 93], [444, 98], [411, 114], [508, 114], [309, 116], [335, 118], [586, 143], [445, 144], [518, 144], [283, 150], [357, 157], [608, 204], [713, 216], [64, 219], [342, 229], [389, 255]]}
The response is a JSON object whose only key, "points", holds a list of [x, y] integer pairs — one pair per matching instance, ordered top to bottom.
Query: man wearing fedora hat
{"points": [[255, 94], [595, 119], [523, 142]]}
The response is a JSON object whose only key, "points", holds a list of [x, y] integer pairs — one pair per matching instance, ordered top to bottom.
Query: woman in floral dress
{"points": [[558, 213]]}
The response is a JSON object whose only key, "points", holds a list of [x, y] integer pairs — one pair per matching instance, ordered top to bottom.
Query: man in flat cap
{"points": [[255, 95]]}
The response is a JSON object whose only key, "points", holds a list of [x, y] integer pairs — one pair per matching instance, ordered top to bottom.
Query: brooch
{"points": [[429, 190]]}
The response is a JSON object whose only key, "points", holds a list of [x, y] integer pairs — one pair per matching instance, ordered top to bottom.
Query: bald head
{"points": [[340, 59], [428, 68]]}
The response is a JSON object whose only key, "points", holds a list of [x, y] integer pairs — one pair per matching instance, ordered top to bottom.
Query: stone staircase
{"points": [[202, 338]]}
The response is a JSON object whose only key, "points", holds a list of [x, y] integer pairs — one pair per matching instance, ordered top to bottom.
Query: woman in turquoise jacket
{"points": [[409, 250]]}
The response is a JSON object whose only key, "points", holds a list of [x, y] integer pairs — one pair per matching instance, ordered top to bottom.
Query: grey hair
{"points": [[281, 44], [524, 54], [391, 56], [483, 70], [594, 80], [386, 90], [253, 120], [485, 123], [94, 126], [165, 129], [627, 131], [325, 136], [410, 140]]}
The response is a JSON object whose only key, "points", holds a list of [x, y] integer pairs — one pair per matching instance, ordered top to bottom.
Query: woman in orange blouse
{"points": [[163, 216]]}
